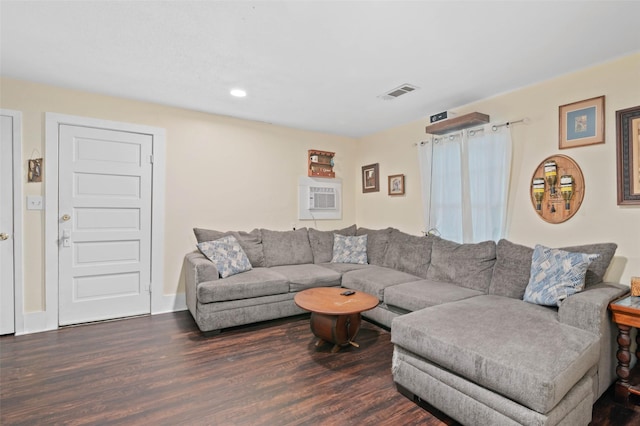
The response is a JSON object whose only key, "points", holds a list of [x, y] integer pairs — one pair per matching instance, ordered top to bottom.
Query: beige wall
{"points": [[222, 173], [227, 173], [599, 218]]}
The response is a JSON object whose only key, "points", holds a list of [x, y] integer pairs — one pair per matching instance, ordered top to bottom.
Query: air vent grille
{"points": [[398, 91]]}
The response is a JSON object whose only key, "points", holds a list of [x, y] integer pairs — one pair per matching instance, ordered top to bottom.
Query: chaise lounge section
{"points": [[464, 340]]}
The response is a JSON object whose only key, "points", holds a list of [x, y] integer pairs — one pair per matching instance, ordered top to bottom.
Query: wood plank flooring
{"points": [[161, 370]]}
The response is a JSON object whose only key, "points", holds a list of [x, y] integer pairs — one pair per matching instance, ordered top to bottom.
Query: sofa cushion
{"points": [[251, 242], [322, 242], [376, 244], [286, 247], [349, 249], [409, 253], [227, 255], [468, 265], [513, 266], [341, 268], [598, 268], [512, 269], [555, 275], [301, 277], [375, 279], [254, 283], [417, 295], [509, 346]]}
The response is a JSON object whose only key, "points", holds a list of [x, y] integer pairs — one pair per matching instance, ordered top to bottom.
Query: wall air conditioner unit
{"points": [[319, 198], [322, 198]]}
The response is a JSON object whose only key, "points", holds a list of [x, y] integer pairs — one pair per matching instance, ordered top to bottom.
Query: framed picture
{"points": [[582, 123], [628, 155], [35, 170], [370, 178], [396, 185]]}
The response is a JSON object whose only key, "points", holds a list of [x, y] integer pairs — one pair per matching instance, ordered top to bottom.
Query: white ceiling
{"points": [[315, 65]]}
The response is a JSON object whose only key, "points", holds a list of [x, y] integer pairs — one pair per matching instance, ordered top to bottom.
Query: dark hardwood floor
{"points": [[161, 370]]}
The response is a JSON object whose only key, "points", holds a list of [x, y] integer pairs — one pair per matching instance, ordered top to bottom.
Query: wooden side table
{"points": [[626, 314]]}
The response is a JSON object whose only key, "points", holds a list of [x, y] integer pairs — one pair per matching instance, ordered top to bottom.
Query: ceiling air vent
{"points": [[398, 91]]}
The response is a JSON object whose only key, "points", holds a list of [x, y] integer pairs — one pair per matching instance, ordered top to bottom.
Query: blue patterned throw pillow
{"points": [[349, 249], [227, 255], [555, 275]]}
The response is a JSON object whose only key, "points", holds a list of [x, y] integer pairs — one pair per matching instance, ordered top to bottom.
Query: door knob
{"points": [[66, 217], [4, 236]]}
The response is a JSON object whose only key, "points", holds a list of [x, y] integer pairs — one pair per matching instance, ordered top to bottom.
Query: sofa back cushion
{"points": [[377, 240], [251, 242], [322, 242], [286, 247], [409, 253], [468, 265], [513, 266], [598, 268], [512, 269]]}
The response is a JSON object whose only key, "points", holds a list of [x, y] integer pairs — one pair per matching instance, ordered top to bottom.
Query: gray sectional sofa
{"points": [[464, 340]]}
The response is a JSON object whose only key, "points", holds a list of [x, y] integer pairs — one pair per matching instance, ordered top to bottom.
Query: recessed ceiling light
{"points": [[238, 93]]}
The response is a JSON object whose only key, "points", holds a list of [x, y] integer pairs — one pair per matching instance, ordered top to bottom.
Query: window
{"points": [[465, 183]]}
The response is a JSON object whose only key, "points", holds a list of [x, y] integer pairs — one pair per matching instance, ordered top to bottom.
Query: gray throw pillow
{"points": [[251, 242], [322, 242], [376, 244], [286, 247], [409, 253], [468, 265]]}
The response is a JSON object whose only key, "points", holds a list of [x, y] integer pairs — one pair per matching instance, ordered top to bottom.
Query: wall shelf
{"points": [[457, 123], [320, 163]]}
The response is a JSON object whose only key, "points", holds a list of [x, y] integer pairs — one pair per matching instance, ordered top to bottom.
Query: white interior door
{"points": [[104, 206], [7, 325]]}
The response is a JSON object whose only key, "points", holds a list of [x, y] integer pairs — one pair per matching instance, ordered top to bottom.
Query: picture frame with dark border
{"points": [[581, 123], [628, 155], [370, 178], [396, 185]]}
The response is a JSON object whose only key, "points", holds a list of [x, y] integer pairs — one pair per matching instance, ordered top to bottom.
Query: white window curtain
{"points": [[465, 183]]}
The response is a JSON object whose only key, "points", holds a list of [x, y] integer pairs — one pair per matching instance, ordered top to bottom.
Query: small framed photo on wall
{"points": [[582, 123], [35, 170], [370, 178], [396, 185]]}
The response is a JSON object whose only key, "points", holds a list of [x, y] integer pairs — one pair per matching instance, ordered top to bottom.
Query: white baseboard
{"points": [[170, 303], [36, 322]]}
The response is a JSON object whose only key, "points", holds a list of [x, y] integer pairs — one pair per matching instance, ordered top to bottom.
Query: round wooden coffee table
{"points": [[335, 317]]}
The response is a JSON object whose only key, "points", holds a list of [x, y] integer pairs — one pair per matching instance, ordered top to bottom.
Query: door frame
{"points": [[159, 303], [18, 309]]}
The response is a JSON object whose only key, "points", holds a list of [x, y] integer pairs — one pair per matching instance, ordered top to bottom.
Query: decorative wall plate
{"points": [[557, 189]]}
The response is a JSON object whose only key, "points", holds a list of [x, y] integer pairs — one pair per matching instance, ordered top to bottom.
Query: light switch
{"points": [[34, 202]]}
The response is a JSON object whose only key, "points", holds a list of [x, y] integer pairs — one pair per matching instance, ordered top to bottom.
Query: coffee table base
{"points": [[337, 329]]}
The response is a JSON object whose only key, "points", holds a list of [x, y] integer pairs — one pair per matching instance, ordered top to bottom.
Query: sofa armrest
{"points": [[197, 269], [587, 310]]}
